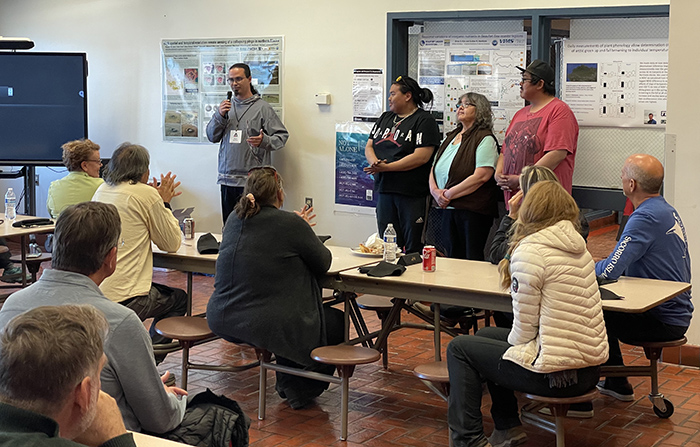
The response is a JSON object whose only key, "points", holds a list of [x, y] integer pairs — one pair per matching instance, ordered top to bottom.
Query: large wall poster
{"points": [[453, 64], [194, 79], [616, 83], [354, 188]]}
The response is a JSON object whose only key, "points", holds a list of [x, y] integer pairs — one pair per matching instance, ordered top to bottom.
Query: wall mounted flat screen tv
{"points": [[43, 104]]}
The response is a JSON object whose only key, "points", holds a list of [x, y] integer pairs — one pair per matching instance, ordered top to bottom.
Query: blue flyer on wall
{"points": [[353, 187]]}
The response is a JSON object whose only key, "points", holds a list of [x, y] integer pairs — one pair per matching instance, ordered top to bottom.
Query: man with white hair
{"points": [[50, 363]]}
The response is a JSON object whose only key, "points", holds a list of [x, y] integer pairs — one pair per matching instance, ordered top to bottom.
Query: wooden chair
{"points": [[190, 331], [652, 350], [559, 407]]}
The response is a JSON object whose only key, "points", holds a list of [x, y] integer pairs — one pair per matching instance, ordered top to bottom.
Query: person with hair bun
{"points": [[400, 151], [266, 291], [558, 340]]}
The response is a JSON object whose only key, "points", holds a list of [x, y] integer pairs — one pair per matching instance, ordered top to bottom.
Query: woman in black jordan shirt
{"points": [[400, 153]]}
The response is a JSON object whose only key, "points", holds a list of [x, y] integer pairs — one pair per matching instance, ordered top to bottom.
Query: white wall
{"points": [[324, 41], [683, 118]]}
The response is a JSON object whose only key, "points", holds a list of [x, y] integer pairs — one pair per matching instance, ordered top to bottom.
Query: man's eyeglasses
{"points": [[237, 80], [524, 80]]}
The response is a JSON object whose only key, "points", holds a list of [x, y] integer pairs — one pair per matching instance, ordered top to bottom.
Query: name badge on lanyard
{"points": [[235, 137]]}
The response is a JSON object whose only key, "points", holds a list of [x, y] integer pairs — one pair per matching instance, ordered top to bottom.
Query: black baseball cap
{"points": [[541, 69]]}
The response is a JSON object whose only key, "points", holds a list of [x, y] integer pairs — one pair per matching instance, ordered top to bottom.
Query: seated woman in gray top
{"points": [[266, 289]]}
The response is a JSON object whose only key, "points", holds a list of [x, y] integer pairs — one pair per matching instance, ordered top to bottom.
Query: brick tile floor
{"points": [[393, 408]]}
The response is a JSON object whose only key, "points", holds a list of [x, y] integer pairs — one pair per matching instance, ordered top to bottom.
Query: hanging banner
{"points": [[453, 64], [195, 79], [620, 83], [354, 188]]}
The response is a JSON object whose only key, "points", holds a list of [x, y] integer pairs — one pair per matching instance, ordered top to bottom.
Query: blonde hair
{"points": [[76, 152], [533, 174], [546, 203]]}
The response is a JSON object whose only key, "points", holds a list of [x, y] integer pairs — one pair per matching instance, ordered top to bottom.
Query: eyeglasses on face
{"points": [[237, 80], [524, 80], [465, 105], [95, 161]]}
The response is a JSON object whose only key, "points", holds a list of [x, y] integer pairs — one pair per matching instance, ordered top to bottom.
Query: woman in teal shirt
{"points": [[461, 181]]}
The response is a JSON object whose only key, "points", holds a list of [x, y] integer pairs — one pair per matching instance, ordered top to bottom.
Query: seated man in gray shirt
{"points": [[85, 253]]}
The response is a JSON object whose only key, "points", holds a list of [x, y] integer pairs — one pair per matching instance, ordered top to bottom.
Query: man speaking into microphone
{"points": [[248, 129]]}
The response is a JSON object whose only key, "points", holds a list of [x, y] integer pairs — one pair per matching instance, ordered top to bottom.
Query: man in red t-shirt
{"points": [[544, 133]]}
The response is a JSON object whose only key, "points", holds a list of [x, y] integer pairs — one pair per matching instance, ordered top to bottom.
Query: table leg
{"points": [[22, 241], [189, 294], [346, 314], [391, 319], [436, 332]]}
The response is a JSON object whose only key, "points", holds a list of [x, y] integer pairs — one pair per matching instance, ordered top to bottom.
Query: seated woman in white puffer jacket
{"points": [[558, 338]]}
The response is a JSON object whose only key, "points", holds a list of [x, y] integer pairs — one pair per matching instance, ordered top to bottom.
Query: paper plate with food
{"points": [[373, 247]]}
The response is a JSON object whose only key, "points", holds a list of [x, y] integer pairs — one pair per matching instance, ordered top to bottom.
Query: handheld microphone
{"points": [[229, 94]]}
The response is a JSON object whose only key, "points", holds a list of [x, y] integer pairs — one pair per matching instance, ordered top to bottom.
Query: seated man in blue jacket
{"points": [[652, 245]]}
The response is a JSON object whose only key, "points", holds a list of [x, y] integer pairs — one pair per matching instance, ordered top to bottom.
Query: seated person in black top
{"points": [[266, 289], [50, 363]]}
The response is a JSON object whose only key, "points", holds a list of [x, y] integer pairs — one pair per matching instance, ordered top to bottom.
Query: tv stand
{"points": [[28, 173]]}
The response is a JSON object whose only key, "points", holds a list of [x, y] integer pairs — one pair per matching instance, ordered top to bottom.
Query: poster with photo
{"points": [[195, 79], [616, 83]]}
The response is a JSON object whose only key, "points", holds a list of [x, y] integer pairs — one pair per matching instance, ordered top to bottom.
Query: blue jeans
{"points": [[472, 359]]}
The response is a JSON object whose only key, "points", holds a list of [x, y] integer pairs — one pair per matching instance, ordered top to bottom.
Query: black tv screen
{"points": [[43, 104]]}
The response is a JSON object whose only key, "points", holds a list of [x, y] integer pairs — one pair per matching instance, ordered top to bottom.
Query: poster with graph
{"points": [[453, 64], [616, 83]]}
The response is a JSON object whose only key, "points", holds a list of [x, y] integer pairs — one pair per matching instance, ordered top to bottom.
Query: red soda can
{"points": [[429, 255]]}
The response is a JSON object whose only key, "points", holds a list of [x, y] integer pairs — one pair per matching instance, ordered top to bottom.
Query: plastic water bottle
{"points": [[10, 205], [390, 244]]}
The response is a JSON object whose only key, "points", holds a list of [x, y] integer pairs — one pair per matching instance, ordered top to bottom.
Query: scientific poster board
{"points": [[453, 64], [194, 79], [616, 83], [367, 94], [354, 188]]}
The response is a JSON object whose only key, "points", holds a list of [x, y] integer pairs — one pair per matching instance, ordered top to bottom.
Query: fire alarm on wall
{"points": [[323, 98]]}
